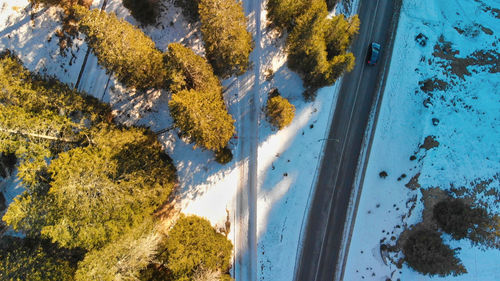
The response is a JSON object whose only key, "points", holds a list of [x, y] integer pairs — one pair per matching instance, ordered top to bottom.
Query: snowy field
{"points": [[441, 104], [287, 160]]}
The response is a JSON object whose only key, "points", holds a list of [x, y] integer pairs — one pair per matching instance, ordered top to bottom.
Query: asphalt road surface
{"points": [[327, 215]]}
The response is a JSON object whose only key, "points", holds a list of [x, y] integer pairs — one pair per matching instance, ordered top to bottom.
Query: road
{"points": [[323, 235]]}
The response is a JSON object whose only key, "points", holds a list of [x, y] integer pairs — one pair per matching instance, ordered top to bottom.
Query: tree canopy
{"points": [[227, 42], [317, 45], [122, 49], [197, 105], [87, 180], [193, 244], [34, 260]]}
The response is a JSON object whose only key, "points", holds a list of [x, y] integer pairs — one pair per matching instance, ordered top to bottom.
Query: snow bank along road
{"points": [[327, 215]]}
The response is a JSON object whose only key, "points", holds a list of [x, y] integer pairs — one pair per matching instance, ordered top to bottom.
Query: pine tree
{"points": [[145, 11], [283, 13], [227, 42], [317, 46], [122, 49], [187, 70], [197, 105], [279, 111], [202, 118], [101, 191], [460, 220], [192, 244], [426, 253], [123, 259], [34, 260]]}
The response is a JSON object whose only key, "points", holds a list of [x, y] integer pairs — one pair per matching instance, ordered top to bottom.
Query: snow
{"points": [[468, 132]]}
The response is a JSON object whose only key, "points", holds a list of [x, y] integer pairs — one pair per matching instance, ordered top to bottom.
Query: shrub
{"points": [[145, 11], [227, 42], [279, 112], [224, 155], [426, 253]]}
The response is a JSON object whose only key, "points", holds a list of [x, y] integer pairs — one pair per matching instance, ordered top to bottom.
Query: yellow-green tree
{"points": [[227, 42], [317, 46], [122, 49], [197, 105], [279, 111], [194, 244]]}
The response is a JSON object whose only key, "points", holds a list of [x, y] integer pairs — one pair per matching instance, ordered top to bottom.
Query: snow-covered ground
{"points": [[448, 90]]}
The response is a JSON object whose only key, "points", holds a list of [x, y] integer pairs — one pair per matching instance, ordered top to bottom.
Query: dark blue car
{"points": [[373, 53]]}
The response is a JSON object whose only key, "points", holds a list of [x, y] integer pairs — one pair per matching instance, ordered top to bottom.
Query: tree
{"points": [[145, 11], [284, 12], [227, 42], [317, 46], [122, 49], [187, 70], [197, 105], [279, 111], [202, 118], [103, 190], [460, 220], [192, 245], [426, 253], [123, 259], [34, 260]]}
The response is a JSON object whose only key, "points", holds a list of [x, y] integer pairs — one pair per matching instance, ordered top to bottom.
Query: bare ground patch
{"points": [[457, 66]]}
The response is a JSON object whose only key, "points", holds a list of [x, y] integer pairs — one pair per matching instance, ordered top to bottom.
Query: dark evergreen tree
{"points": [[189, 9], [145, 11], [227, 42], [122, 49], [461, 220], [426, 253], [35, 260]]}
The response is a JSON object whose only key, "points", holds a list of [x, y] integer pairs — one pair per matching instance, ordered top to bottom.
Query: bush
{"points": [[145, 11], [227, 42], [122, 49], [279, 111], [224, 155], [426, 253]]}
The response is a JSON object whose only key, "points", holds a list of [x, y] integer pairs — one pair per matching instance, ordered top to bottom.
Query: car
{"points": [[373, 53]]}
